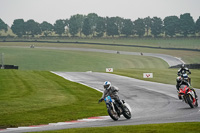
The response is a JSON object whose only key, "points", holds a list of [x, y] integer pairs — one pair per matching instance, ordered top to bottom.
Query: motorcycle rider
{"points": [[182, 71], [111, 91]]}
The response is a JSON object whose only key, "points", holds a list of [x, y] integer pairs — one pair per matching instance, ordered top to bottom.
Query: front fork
{"points": [[112, 106]]}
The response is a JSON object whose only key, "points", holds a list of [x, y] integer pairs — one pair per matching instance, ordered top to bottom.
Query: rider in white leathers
{"points": [[111, 91]]}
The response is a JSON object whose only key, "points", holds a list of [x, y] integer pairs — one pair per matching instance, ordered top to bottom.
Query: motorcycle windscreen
{"points": [[183, 88]]}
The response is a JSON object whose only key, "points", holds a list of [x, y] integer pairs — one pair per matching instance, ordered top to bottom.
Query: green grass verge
{"points": [[190, 43], [188, 56], [63, 60], [167, 76], [40, 97], [192, 127]]}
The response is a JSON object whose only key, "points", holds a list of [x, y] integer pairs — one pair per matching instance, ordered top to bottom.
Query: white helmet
{"points": [[183, 66], [107, 85]]}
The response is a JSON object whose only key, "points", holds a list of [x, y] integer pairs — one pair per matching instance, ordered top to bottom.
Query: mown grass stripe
{"points": [[52, 99]]}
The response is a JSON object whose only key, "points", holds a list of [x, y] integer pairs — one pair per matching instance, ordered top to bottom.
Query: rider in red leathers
{"points": [[181, 71]]}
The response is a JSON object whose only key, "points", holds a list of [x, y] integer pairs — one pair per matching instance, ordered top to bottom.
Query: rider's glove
{"points": [[100, 100]]}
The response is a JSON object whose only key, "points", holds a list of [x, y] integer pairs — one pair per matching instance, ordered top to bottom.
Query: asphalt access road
{"points": [[150, 102]]}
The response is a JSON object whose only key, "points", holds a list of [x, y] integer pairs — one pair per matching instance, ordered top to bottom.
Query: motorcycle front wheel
{"points": [[113, 114]]}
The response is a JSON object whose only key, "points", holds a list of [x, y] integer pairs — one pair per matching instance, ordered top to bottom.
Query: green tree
{"points": [[93, 18], [80, 20], [66, 21], [147, 22], [119, 23], [76, 24], [171, 25], [187, 25], [3, 26], [67, 26], [73, 26], [156, 26], [198, 26], [18, 27], [59, 27], [86, 27], [101, 27], [127, 27], [139, 27], [32, 28], [46, 28], [112, 28]]}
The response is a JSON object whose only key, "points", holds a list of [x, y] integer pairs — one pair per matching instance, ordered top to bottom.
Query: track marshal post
{"points": [[109, 69], [147, 75]]}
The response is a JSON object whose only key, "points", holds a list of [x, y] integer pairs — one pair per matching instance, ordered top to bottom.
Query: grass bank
{"points": [[191, 43], [63, 60], [167, 76], [40, 97], [190, 127]]}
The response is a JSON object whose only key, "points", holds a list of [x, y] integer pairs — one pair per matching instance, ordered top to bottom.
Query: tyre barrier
{"points": [[9, 67]]}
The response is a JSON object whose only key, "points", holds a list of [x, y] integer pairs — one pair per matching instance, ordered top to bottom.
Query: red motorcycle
{"points": [[188, 95]]}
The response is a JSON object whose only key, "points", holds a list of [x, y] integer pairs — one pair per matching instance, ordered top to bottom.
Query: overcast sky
{"points": [[51, 10]]}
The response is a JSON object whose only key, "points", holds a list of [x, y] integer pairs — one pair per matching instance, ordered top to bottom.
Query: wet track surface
{"points": [[150, 102]]}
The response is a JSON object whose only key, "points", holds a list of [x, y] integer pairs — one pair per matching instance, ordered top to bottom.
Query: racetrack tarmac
{"points": [[150, 102]]}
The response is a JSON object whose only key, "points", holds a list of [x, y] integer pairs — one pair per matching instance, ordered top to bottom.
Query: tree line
{"points": [[97, 26]]}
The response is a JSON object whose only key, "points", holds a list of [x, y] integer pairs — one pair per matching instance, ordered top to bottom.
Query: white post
{"points": [[2, 61]]}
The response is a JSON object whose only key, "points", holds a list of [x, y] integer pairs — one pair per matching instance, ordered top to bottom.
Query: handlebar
{"points": [[180, 74]]}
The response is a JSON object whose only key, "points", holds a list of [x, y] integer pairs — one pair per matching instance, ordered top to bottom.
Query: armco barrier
{"points": [[106, 44], [190, 66]]}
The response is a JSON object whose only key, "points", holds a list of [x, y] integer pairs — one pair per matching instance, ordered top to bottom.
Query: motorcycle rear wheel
{"points": [[126, 113]]}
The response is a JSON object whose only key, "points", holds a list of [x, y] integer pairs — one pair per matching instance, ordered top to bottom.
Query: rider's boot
{"points": [[177, 87], [195, 94], [179, 95], [121, 105]]}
